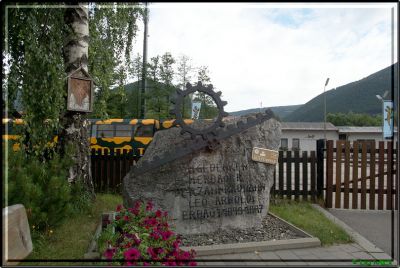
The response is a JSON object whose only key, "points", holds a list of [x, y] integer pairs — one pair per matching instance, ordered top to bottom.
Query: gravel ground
{"points": [[272, 229]]}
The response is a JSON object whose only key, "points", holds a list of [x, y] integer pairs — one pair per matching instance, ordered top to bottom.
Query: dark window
{"points": [[123, 130], [93, 131], [105, 131], [144, 131], [343, 137], [284, 144], [296, 144], [368, 144]]}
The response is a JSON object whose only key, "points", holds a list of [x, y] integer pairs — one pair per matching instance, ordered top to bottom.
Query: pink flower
{"points": [[137, 205], [149, 205], [119, 207], [134, 211], [158, 213], [165, 213], [118, 218], [126, 218], [150, 221], [166, 235], [155, 236], [137, 240], [176, 243], [153, 252], [109, 253], [132, 254], [184, 256], [170, 263], [192, 263], [146, 264]]}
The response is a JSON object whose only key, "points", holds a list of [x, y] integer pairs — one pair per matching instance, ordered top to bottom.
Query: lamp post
{"points": [[326, 83]]}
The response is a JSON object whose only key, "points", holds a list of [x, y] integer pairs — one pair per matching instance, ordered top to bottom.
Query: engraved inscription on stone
{"points": [[265, 155]]}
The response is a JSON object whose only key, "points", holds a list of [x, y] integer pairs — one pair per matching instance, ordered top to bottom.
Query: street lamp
{"points": [[326, 83]]}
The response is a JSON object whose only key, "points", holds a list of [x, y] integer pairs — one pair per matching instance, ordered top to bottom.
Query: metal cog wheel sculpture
{"points": [[210, 132]]}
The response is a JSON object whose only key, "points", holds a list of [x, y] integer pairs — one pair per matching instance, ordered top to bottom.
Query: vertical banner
{"points": [[196, 110], [388, 118]]}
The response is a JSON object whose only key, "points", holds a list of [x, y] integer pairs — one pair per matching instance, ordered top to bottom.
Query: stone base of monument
{"points": [[304, 240]]}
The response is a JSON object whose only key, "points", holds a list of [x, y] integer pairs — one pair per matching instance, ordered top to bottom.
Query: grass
{"points": [[307, 218], [71, 239]]}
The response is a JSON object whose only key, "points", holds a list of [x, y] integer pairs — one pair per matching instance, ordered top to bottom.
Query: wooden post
{"points": [[280, 163], [320, 167], [329, 173], [338, 173], [296, 174], [346, 174], [289, 175], [305, 175], [355, 176]]}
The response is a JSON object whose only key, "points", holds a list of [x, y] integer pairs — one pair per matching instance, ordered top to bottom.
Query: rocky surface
{"points": [[209, 190], [272, 229]]}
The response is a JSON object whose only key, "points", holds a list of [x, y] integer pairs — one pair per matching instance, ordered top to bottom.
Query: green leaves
{"points": [[354, 119]]}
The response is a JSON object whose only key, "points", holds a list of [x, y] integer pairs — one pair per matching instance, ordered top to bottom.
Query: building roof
{"points": [[307, 126]]}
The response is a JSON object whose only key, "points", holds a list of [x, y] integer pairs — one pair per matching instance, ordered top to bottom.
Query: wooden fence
{"points": [[109, 168], [356, 175], [296, 176], [360, 176]]}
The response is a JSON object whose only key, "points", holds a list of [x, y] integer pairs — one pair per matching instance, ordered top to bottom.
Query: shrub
{"points": [[42, 187], [142, 236]]}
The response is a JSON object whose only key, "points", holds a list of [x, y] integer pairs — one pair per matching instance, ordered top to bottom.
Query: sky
{"points": [[264, 54]]}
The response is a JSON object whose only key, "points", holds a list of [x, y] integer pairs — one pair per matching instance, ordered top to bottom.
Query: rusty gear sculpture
{"points": [[210, 132], [208, 138]]}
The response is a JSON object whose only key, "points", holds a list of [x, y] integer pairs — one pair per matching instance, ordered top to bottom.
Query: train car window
{"points": [[4, 126], [123, 130], [105, 131], [144, 131], [93, 132]]}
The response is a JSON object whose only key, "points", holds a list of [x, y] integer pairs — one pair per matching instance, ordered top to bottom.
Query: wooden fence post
{"points": [[320, 167]]}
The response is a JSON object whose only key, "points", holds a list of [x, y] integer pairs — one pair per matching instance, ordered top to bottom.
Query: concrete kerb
{"points": [[359, 239], [255, 246]]}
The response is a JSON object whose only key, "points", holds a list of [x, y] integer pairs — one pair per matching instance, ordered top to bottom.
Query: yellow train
{"points": [[132, 135]]}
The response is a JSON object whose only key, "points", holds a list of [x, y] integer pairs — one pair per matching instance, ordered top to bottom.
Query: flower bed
{"points": [[142, 236]]}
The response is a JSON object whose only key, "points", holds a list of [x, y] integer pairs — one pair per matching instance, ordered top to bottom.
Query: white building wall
{"points": [[367, 136], [308, 138]]}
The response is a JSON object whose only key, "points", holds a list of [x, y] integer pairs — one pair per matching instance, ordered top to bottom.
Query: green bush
{"points": [[41, 187]]}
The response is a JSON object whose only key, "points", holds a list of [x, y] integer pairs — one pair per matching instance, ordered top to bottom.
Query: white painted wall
{"points": [[367, 136], [308, 138]]}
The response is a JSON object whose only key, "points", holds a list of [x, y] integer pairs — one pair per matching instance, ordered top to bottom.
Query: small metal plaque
{"points": [[265, 155]]}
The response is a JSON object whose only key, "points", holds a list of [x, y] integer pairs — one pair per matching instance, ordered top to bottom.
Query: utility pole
{"points": [[144, 73], [326, 83]]}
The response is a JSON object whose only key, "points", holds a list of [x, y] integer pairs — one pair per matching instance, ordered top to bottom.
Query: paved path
{"points": [[374, 225], [343, 254]]}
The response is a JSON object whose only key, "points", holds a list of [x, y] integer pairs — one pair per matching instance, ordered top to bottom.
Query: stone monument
{"points": [[215, 187]]}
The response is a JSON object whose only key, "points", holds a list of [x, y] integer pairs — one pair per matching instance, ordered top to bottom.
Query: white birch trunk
{"points": [[75, 127]]}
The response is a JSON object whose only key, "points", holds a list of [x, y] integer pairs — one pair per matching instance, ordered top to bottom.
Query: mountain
{"points": [[357, 97], [280, 111]]}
